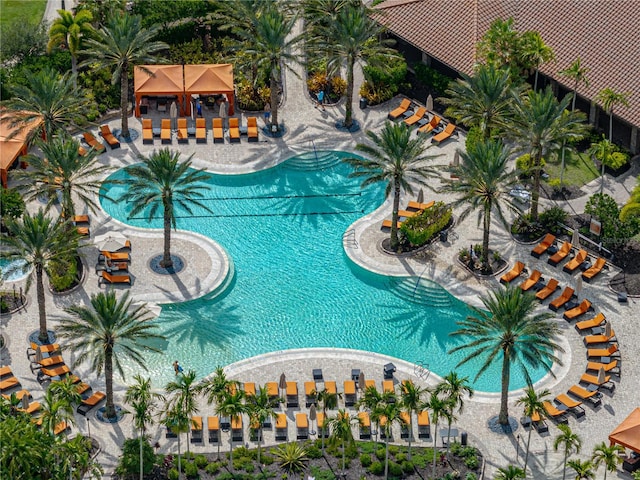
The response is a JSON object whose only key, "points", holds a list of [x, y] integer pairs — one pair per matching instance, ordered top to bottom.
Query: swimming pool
{"points": [[6, 265], [293, 286]]}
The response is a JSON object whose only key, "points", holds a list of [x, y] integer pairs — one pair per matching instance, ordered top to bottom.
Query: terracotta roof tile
{"points": [[604, 34]]}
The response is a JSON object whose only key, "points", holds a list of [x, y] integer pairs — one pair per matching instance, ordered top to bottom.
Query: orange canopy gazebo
{"points": [[208, 80], [158, 81], [13, 143], [627, 433]]}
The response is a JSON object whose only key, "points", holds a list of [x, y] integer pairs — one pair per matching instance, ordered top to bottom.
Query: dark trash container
{"points": [[363, 103], [444, 235], [463, 439]]}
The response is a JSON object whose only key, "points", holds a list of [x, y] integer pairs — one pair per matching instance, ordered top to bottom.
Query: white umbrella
{"points": [[429, 104], [173, 113], [575, 238], [110, 242], [578, 288], [607, 329], [602, 376]]}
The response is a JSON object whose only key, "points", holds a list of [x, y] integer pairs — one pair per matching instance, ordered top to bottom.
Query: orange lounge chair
{"points": [[401, 110], [416, 117], [429, 127], [252, 129], [147, 130], [165, 130], [201, 130], [218, 130], [234, 130], [446, 133], [183, 135], [93, 142], [113, 142], [82, 151], [420, 206], [408, 213], [80, 219], [386, 223], [83, 231], [543, 246], [560, 255], [116, 256], [576, 261], [592, 271], [512, 274], [122, 278], [534, 278], [548, 289], [567, 294], [581, 309], [591, 323], [594, 339], [49, 348], [602, 352], [51, 361], [611, 367], [4, 371], [56, 372], [593, 380], [9, 383], [369, 384], [387, 386], [331, 387], [249, 389], [272, 389], [310, 393], [349, 393], [292, 394], [593, 396], [90, 403], [573, 405], [32, 408], [554, 413], [213, 425], [365, 425], [302, 426], [281, 427], [58, 429], [424, 429], [322, 431]]}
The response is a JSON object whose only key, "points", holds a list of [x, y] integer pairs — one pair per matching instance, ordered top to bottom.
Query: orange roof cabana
{"points": [[158, 80], [209, 80], [13, 143], [627, 433]]}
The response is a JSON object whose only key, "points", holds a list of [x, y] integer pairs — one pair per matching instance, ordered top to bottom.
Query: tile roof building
{"points": [[605, 34]]}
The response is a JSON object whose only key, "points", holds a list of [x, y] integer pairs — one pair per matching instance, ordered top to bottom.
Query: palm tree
{"points": [[68, 30], [353, 35], [121, 44], [499, 46], [535, 52], [578, 74], [46, 99], [482, 100], [608, 100], [540, 126], [602, 151], [396, 159], [62, 171], [485, 178], [162, 182], [39, 241], [509, 331], [108, 333], [217, 386], [184, 388], [454, 388], [66, 390], [142, 399], [411, 400], [328, 401], [532, 403], [232, 406], [260, 407], [438, 408], [54, 411], [389, 414], [178, 422], [340, 427], [569, 441], [609, 456], [292, 458], [583, 470], [510, 473]]}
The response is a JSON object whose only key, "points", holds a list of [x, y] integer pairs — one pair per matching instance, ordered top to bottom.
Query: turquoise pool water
{"points": [[6, 265], [293, 286]]}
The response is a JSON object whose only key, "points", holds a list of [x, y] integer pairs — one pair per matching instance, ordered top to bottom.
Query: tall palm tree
{"points": [[68, 30], [353, 36], [121, 44], [499, 45], [535, 52], [578, 74], [46, 98], [482, 100], [608, 100], [539, 127], [602, 151], [397, 159], [62, 171], [485, 178], [161, 181], [39, 241], [510, 331], [106, 334], [216, 387], [454, 389], [66, 390], [184, 390], [142, 399], [372, 399], [328, 401], [412, 402], [532, 402], [232, 406], [260, 407], [438, 408], [55, 410], [389, 414], [178, 422], [340, 427], [569, 441], [609, 456], [583, 470], [510, 472]]}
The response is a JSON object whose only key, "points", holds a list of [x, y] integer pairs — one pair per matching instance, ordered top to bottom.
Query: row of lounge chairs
{"points": [[425, 125], [200, 130], [413, 209], [579, 260], [113, 267]]}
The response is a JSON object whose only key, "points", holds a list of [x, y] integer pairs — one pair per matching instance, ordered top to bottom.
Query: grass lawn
{"points": [[31, 11], [579, 169]]}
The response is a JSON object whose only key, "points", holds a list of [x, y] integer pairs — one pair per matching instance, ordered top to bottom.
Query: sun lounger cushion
{"points": [[404, 106], [415, 117], [432, 125], [252, 129], [147, 130], [165, 130], [201, 130], [218, 130], [234, 130], [446, 133], [183, 135], [93, 142], [113, 142], [386, 223], [543, 246], [561, 254], [576, 261], [597, 267], [514, 273], [107, 277], [531, 281], [548, 289], [566, 295], [581, 309], [602, 352], [331, 387], [272, 389], [593, 396], [88, 404]]}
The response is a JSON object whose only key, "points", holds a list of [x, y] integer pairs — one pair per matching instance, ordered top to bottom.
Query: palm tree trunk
{"points": [[74, 70], [535, 82], [273, 83], [124, 100], [348, 117], [611, 125], [535, 195], [485, 239], [395, 242], [166, 256], [43, 336], [110, 409], [324, 416], [503, 418], [410, 434], [448, 435], [259, 442], [231, 449], [435, 449], [386, 454], [526, 455], [343, 457], [179, 459], [564, 464], [141, 467]]}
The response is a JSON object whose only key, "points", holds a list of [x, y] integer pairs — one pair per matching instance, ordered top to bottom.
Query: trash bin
{"points": [[363, 103], [444, 235], [463, 439]]}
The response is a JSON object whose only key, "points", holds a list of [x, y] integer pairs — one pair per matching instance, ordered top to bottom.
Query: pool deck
{"points": [[208, 264]]}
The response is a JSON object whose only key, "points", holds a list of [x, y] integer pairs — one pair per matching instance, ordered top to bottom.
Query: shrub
{"points": [[431, 77], [383, 78], [376, 94], [250, 97], [473, 137], [617, 160], [525, 166], [555, 184], [11, 204], [551, 219], [525, 226], [420, 229], [63, 273], [393, 449], [313, 451], [351, 451], [381, 453], [400, 457], [130, 459], [267, 459], [365, 460], [201, 461], [471, 462], [407, 467], [213, 468], [377, 468], [190, 470], [395, 470], [322, 473], [173, 474], [471, 476]]}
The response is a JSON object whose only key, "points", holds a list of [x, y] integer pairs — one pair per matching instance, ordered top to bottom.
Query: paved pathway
{"points": [[310, 128]]}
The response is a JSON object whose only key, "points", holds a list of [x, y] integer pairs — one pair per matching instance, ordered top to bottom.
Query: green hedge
{"points": [[420, 229]]}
